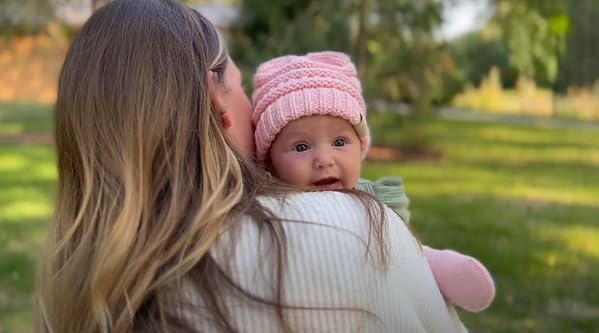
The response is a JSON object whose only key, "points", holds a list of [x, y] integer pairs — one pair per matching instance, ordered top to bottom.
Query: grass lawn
{"points": [[27, 181], [524, 201]]}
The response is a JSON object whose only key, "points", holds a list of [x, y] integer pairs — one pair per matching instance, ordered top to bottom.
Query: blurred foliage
{"points": [[19, 17], [23, 17], [268, 29], [534, 33], [523, 38], [392, 41], [551, 43], [395, 44], [476, 55], [401, 59], [405, 61], [30, 65], [580, 66], [526, 98], [523, 200]]}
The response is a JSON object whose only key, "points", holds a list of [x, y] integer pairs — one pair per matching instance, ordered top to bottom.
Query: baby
{"points": [[311, 130]]}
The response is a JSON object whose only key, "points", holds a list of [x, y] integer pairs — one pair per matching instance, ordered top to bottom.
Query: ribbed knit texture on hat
{"points": [[291, 87]]}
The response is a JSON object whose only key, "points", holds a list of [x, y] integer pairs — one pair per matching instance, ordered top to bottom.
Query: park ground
{"points": [[521, 197]]}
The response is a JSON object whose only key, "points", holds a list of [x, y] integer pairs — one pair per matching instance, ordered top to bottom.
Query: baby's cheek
{"points": [[277, 165], [291, 172], [351, 182]]}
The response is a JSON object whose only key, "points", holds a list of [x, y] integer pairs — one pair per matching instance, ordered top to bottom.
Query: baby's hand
{"points": [[462, 280]]}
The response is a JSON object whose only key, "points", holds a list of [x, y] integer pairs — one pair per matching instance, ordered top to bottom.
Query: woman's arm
{"points": [[328, 267]]}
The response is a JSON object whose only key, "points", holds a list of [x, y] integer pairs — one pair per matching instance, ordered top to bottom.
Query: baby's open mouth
{"points": [[329, 183]]}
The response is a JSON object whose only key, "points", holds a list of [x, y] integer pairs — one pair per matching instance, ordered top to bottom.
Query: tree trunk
{"points": [[97, 4], [362, 39]]}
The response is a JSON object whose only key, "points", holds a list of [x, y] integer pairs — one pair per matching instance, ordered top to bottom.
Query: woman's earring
{"points": [[225, 119]]}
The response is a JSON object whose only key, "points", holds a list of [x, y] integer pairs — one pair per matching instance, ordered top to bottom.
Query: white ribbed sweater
{"points": [[327, 267]]}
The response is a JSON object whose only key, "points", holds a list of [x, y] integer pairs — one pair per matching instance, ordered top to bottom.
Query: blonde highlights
{"points": [[146, 177], [147, 180]]}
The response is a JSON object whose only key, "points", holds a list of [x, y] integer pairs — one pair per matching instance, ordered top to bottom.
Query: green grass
{"points": [[23, 118], [27, 181], [525, 201]]}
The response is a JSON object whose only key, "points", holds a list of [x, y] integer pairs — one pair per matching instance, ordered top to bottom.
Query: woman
{"points": [[163, 224]]}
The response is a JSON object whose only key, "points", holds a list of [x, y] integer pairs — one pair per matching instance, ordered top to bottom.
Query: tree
{"points": [[25, 16], [29, 16], [269, 29], [534, 33], [361, 40], [391, 41], [475, 55], [405, 60], [580, 66]]}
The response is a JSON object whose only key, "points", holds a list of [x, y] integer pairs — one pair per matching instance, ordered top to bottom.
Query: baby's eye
{"points": [[340, 142], [300, 147]]}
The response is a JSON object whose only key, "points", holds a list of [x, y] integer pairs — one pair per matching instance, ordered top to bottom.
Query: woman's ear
{"points": [[218, 105], [225, 120]]}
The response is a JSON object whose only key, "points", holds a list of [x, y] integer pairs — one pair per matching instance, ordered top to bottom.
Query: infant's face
{"points": [[321, 151]]}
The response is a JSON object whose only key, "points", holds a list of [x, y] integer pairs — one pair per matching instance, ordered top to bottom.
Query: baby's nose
{"points": [[323, 159]]}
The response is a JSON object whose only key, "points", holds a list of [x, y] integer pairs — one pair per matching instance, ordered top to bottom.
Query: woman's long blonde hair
{"points": [[146, 178]]}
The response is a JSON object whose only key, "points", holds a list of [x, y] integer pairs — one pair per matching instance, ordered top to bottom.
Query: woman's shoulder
{"points": [[317, 198], [324, 207], [325, 217], [338, 217], [322, 230], [330, 264]]}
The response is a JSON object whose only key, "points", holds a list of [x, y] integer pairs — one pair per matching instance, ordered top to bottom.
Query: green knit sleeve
{"points": [[390, 191]]}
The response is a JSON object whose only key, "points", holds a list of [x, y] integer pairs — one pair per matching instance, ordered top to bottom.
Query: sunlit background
{"points": [[488, 109]]}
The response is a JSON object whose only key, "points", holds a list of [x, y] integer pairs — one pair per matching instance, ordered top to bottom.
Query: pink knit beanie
{"points": [[290, 87]]}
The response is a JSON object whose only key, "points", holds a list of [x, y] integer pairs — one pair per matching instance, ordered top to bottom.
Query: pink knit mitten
{"points": [[463, 280]]}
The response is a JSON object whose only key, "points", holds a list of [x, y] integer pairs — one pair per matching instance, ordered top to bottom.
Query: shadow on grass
{"points": [[25, 118], [393, 130], [543, 144], [557, 169], [577, 169], [27, 186], [523, 201], [542, 250], [544, 267]]}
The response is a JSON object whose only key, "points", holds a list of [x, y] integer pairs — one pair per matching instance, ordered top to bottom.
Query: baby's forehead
{"points": [[316, 123]]}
